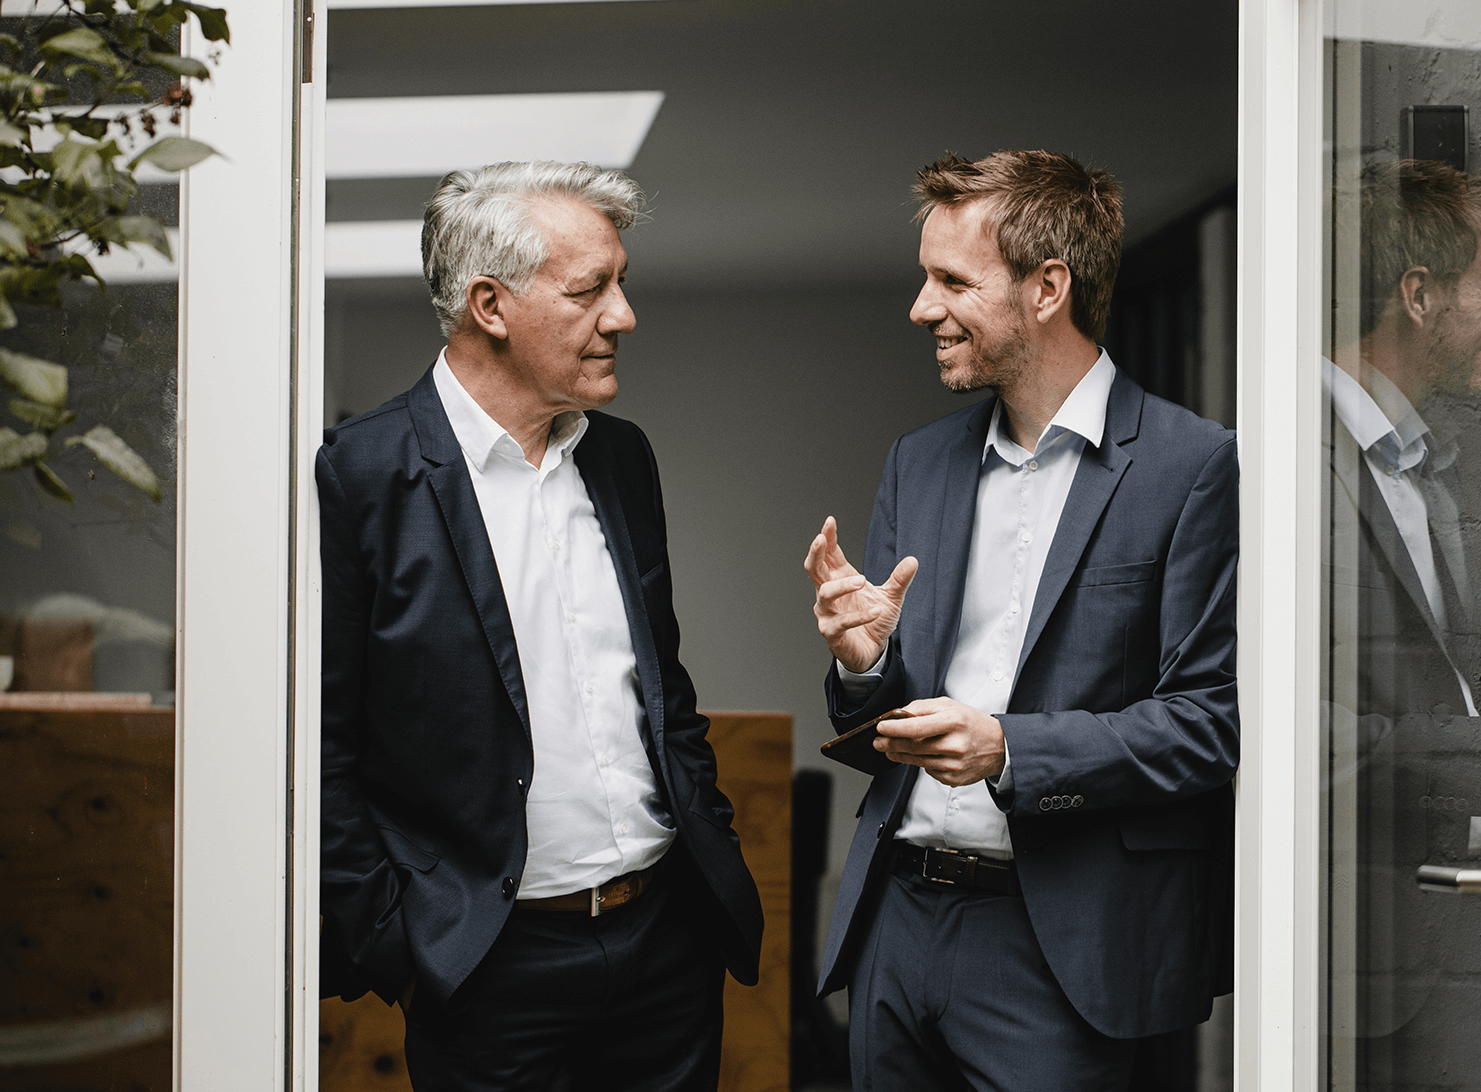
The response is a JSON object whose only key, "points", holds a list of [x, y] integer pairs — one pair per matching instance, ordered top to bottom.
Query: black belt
{"points": [[956, 868]]}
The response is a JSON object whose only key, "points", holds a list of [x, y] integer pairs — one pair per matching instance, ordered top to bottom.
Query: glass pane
{"points": [[1401, 377], [87, 721]]}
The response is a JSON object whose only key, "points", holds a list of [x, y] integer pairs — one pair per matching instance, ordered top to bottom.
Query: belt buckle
{"points": [[925, 860], [596, 902]]}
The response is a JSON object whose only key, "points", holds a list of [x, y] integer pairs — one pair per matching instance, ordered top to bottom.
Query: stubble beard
{"points": [[1000, 364]]}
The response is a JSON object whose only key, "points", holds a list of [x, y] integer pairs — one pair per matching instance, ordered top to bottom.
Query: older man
{"points": [[522, 837], [1060, 882]]}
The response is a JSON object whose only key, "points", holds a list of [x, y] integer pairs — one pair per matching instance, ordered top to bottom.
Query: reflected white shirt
{"points": [[1396, 444], [1020, 499], [593, 808]]}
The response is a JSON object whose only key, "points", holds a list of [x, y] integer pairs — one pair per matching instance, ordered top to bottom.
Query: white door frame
{"points": [[251, 408], [250, 413], [1278, 921]]}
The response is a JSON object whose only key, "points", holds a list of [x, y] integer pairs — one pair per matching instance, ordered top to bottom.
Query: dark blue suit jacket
{"points": [[1124, 701], [426, 733]]}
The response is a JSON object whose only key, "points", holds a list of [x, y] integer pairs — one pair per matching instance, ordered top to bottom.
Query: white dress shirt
{"points": [[1397, 446], [1020, 498], [593, 809]]}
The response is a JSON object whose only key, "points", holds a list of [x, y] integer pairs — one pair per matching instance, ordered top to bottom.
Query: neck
{"points": [[1386, 349], [488, 384], [1032, 399]]}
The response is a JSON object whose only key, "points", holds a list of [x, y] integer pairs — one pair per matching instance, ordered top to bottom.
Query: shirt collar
{"points": [[1083, 413], [1378, 416], [481, 437]]}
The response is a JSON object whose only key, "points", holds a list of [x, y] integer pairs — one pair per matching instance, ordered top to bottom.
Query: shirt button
{"points": [[1033, 464], [1027, 536], [555, 544], [1012, 608], [570, 616], [997, 676], [589, 688], [606, 760], [956, 805], [622, 829]]}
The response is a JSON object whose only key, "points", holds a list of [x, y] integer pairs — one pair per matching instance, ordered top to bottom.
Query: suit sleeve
{"points": [[1183, 739], [360, 889]]}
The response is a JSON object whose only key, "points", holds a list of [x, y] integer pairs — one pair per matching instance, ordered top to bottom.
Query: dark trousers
{"points": [[951, 993], [630, 1000]]}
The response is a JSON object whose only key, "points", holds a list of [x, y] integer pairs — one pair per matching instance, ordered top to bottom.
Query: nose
{"points": [[927, 308], [618, 318]]}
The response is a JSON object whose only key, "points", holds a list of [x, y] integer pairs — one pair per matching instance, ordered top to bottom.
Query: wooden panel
{"points": [[86, 891], [360, 1044]]}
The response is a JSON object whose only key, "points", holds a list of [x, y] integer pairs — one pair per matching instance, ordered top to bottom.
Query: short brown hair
{"points": [[1045, 206], [1413, 212]]}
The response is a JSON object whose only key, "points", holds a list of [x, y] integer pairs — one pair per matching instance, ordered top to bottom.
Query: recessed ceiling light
{"points": [[430, 135]]}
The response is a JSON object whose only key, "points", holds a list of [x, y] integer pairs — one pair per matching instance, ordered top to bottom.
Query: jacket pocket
{"points": [[1135, 573], [1169, 830], [403, 851]]}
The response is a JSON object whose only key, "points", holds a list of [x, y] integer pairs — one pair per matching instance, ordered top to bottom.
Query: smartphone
{"points": [[856, 747]]}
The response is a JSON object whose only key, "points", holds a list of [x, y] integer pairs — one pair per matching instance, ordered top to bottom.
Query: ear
{"points": [[1047, 291], [1417, 295], [488, 304]]}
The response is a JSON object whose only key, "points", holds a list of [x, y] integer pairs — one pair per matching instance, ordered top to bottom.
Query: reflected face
{"points": [[969, 301], [563, 329], [1454, 349]]}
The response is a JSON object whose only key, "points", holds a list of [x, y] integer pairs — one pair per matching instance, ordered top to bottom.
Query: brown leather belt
{"points": [[959, 869], [595, 900]]}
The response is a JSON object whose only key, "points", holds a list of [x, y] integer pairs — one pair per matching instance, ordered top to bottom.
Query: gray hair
{"points": [[478, 224]]}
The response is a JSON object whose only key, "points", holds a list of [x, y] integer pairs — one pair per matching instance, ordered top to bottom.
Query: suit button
{"points": [[521, 784], [1077, 801], [1044, 804], [880, 832], [510, 887]]}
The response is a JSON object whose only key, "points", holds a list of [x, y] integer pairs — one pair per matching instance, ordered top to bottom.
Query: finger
{"points": [[814, 563], [899, 581], [834, 589], [836, 625]]}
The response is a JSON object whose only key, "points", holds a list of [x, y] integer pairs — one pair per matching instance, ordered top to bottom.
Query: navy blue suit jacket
{"points": [[1122, 726], [426, 733]]}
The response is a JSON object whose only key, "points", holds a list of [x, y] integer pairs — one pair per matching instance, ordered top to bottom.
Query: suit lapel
{"points": [[1096, 478], [601, 486], [453, 488], [1362, 494], [958, 509]]}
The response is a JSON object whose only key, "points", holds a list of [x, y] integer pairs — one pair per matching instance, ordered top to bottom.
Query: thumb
{"points": [[899, 582]]}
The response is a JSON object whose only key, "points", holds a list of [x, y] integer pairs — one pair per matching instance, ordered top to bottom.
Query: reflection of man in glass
{"points": [[1404, 619]]}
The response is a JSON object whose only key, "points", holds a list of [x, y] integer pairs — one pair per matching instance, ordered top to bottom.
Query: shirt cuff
{"points": [[858, 685], [1004, 781]]}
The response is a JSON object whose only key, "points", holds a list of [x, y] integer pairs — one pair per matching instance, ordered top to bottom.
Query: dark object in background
{"points": [[1440, 133], [819, 1044]]}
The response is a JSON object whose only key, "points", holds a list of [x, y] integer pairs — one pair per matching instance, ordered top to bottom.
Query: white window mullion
{"points": [[236, 421]]}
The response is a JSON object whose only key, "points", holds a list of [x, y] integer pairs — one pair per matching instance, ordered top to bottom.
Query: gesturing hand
{"points": [[854, 616], [954, 743]]}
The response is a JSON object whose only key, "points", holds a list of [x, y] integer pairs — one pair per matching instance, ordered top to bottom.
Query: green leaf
{"points": [[213, 22], [81, 42], [188, 67], [13, 134], [172, 153], [70, 160], [135, 229], [12, 239], [39, 380], [47, 418], [17, 450], [118, 457], [53, 484]]}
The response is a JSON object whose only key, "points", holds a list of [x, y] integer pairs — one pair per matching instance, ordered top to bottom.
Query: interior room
{"points": [[773, 362]]}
